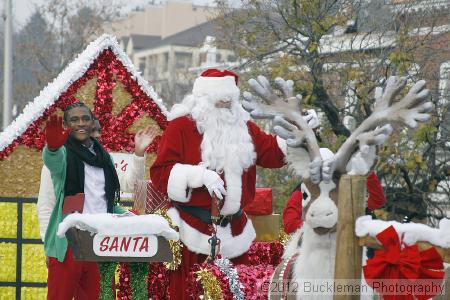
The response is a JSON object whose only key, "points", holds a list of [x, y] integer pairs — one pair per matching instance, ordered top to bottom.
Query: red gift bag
{"points": [[73, 203], [261, 204]]}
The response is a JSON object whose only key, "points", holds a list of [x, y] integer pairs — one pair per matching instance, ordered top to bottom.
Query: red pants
{"points": [[72, 279], [178, 279]]}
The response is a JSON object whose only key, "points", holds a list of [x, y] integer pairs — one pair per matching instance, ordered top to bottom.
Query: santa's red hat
{"points": [[217, 85]]}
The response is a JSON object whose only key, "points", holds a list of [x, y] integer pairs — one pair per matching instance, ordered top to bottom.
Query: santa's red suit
{"points": [[179, 169]]}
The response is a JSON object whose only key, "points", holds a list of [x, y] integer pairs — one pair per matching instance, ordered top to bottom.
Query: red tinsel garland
{"points": [[114, 132], [265, 253], [253, 279], [158, 282], [123, 286]]}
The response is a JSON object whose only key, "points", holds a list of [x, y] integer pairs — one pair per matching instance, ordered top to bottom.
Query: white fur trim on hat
{"points": [[216, 88]]}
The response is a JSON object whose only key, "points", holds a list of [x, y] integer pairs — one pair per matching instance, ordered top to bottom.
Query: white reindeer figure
{"points": [[312, 249]]}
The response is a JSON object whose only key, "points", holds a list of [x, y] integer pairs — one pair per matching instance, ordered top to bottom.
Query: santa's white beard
{"points": [[226, 144]]}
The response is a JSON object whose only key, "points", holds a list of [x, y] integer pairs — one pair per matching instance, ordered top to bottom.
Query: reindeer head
{"points": [[319, 169]]}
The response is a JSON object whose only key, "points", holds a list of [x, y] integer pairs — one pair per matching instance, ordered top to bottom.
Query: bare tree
{"points": [[75, 23], [56, 32], [337, 52]]}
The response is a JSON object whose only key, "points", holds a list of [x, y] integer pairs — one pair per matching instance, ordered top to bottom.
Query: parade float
{"points": [[104, 78], [136, 253]]}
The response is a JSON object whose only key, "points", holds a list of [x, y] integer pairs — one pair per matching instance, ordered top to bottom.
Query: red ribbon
{"points": [[403, 266]]}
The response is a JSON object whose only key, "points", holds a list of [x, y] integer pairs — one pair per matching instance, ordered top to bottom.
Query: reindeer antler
{"points": [[273, 105], [410, 110], [288, 121], [296, 137], [361, 162]]}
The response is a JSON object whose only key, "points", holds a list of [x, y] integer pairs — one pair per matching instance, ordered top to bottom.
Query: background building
{"points": [[163, 19], [171, 44], [172, 63]]}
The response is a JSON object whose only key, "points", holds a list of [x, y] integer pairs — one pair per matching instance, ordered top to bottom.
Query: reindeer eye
{"points": [[304, 195]]}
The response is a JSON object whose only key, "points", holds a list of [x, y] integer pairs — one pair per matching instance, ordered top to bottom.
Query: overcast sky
{"points": [[22, 9]]}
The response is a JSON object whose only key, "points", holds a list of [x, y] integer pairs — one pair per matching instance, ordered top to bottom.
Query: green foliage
{"points": [[425, 133], [107, 270], [139, 272]]}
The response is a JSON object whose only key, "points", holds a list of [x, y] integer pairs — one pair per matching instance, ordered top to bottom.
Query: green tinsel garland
{"points": [[107, 270], [138, 280]]}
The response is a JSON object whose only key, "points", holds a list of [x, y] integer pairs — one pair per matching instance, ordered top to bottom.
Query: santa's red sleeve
{"points": [[270, 150], [168, 173], [376, 194], [292, 213]]}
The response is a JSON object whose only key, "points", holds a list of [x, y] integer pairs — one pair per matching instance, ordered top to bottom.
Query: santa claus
{"points": [[211, 147]]}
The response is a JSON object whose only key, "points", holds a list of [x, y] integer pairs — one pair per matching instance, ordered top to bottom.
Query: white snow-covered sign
{"points": [[125, 245]]}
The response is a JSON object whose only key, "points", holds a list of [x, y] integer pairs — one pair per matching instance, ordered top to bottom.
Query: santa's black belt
{"points": [[205, 215]]}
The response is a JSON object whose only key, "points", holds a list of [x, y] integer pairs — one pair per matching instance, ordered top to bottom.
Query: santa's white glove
{"points": [[312, 119], [214, 183]]}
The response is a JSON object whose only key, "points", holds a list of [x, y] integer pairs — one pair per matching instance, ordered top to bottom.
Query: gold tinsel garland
{"points": [[20, 173], [283, 237], [175, 246], [33, 256], [210, 284], [33, 293]]}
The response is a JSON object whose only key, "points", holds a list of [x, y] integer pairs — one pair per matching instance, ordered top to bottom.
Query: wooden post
{"points": [[351, 200]]}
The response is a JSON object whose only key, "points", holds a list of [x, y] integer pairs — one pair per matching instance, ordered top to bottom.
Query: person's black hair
{"points": [[76, 104]]}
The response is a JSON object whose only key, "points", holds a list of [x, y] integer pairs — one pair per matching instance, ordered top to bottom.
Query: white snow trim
{"points": [[75, 70], [217, 88], [282, 145], [184, 177], [112, 224], [412, 232], [230, 246]]}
